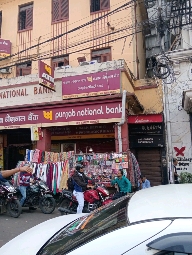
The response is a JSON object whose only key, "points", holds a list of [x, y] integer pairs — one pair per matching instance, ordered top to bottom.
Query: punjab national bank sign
{"points": [[5, 48], [46, 76], [94, 84], [66, 115]]}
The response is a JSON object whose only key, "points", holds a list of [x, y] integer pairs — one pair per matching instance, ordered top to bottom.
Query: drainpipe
{"points": [[122, 121]]}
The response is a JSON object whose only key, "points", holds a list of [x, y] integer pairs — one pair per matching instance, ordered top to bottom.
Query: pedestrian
{"points": [[175, 162], [24, 183], [143, 183], [123, 184], [80, 185]]}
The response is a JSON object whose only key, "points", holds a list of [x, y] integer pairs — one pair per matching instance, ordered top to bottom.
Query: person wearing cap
{"points": [[80, 185]]}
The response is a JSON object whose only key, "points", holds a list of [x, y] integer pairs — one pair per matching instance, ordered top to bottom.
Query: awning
{"points": [[187, 101]]}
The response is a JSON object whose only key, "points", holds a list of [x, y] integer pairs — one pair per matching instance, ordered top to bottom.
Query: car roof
{"points": [[165, 201], [124, 240], [119, 241]]}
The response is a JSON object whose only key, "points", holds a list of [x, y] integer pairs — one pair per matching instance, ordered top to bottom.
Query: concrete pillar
{"points": [[124, 136], [45, 143]]}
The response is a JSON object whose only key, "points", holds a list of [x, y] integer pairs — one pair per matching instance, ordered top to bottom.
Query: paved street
{"points": [[11, 227]]}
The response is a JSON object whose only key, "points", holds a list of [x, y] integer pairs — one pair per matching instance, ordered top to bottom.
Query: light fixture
{"points": [[90, 149]]}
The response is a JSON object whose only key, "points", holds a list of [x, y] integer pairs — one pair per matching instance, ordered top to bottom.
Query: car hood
{"points": [[165, 201], [37, 236]]}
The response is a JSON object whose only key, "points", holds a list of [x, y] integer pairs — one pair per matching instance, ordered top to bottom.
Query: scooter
{"points": [[94, 198], [8, 200]]}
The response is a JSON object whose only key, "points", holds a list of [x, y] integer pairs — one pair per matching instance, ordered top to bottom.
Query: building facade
{"points": [[83, 42], [177, 113]]}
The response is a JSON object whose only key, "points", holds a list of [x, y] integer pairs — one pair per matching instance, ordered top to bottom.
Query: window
{"points": [[99, 5], [60, 10], [26, 17], [0, 22], [103, 55], [81, 59], [60, 61], [23, 69], [87, 228], [173, 244]]}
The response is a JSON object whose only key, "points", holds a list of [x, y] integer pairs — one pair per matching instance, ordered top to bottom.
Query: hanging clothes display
{"points": [[101, 166], [52, 168], [55, 168], [134, 171]]}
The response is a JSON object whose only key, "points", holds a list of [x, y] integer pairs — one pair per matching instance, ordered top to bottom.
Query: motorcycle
{"points": [[39, 195], [94, 198], [8, 200]]}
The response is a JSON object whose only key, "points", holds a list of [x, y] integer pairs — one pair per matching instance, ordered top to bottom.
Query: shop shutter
{"points": [[105, 4], [64, 9], [55, 10], [29, 18], [150, 164]]}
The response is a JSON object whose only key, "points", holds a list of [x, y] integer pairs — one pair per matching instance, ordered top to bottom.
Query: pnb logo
{"points": [[48, 69], [47, 75]]}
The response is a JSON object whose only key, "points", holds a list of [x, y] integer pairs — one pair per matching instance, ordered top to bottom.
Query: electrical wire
{"points": [[73, 30]]}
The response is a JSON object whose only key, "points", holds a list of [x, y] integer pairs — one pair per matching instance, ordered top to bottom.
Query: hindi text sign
{"points": [[93, 84]]}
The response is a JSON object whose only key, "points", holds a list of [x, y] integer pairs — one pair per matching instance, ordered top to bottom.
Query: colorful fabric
{"points": [[25, 179]]}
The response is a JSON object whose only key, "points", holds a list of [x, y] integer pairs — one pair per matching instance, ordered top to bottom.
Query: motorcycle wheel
{"points": [[64, 204], [47, 205], [14, 208]]}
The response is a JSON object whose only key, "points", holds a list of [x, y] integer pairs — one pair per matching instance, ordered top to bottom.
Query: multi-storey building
{"points": [[82, 41]]}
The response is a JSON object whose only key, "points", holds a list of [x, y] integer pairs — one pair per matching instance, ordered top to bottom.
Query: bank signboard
{"points": [[5, 48], [46, 76], [93, 84], [63, 115]]}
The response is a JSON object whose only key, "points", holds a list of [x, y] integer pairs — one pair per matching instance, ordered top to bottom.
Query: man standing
{"points": [[175, 162], [123, 183], [80, 185]]}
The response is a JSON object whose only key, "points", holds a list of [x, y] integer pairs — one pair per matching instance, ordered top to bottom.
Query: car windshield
{"points": [[99, 222]]}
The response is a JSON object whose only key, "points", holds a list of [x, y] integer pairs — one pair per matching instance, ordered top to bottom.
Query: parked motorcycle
{"points": [[39, 195], [94, 198], [8, 200]]}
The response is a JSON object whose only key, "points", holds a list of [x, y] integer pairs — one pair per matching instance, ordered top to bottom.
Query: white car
{"points": [[157, 220]]}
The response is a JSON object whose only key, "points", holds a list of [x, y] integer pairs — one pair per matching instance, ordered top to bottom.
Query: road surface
{"points": [[11, 227]]}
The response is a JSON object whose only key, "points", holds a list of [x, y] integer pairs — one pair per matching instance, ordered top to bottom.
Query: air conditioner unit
{"points": [[5, 70]]}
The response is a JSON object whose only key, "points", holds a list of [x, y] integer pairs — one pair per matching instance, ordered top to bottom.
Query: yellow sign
{"points": [[48, 69], [48, 115], [34, 134], [79, 137]]}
